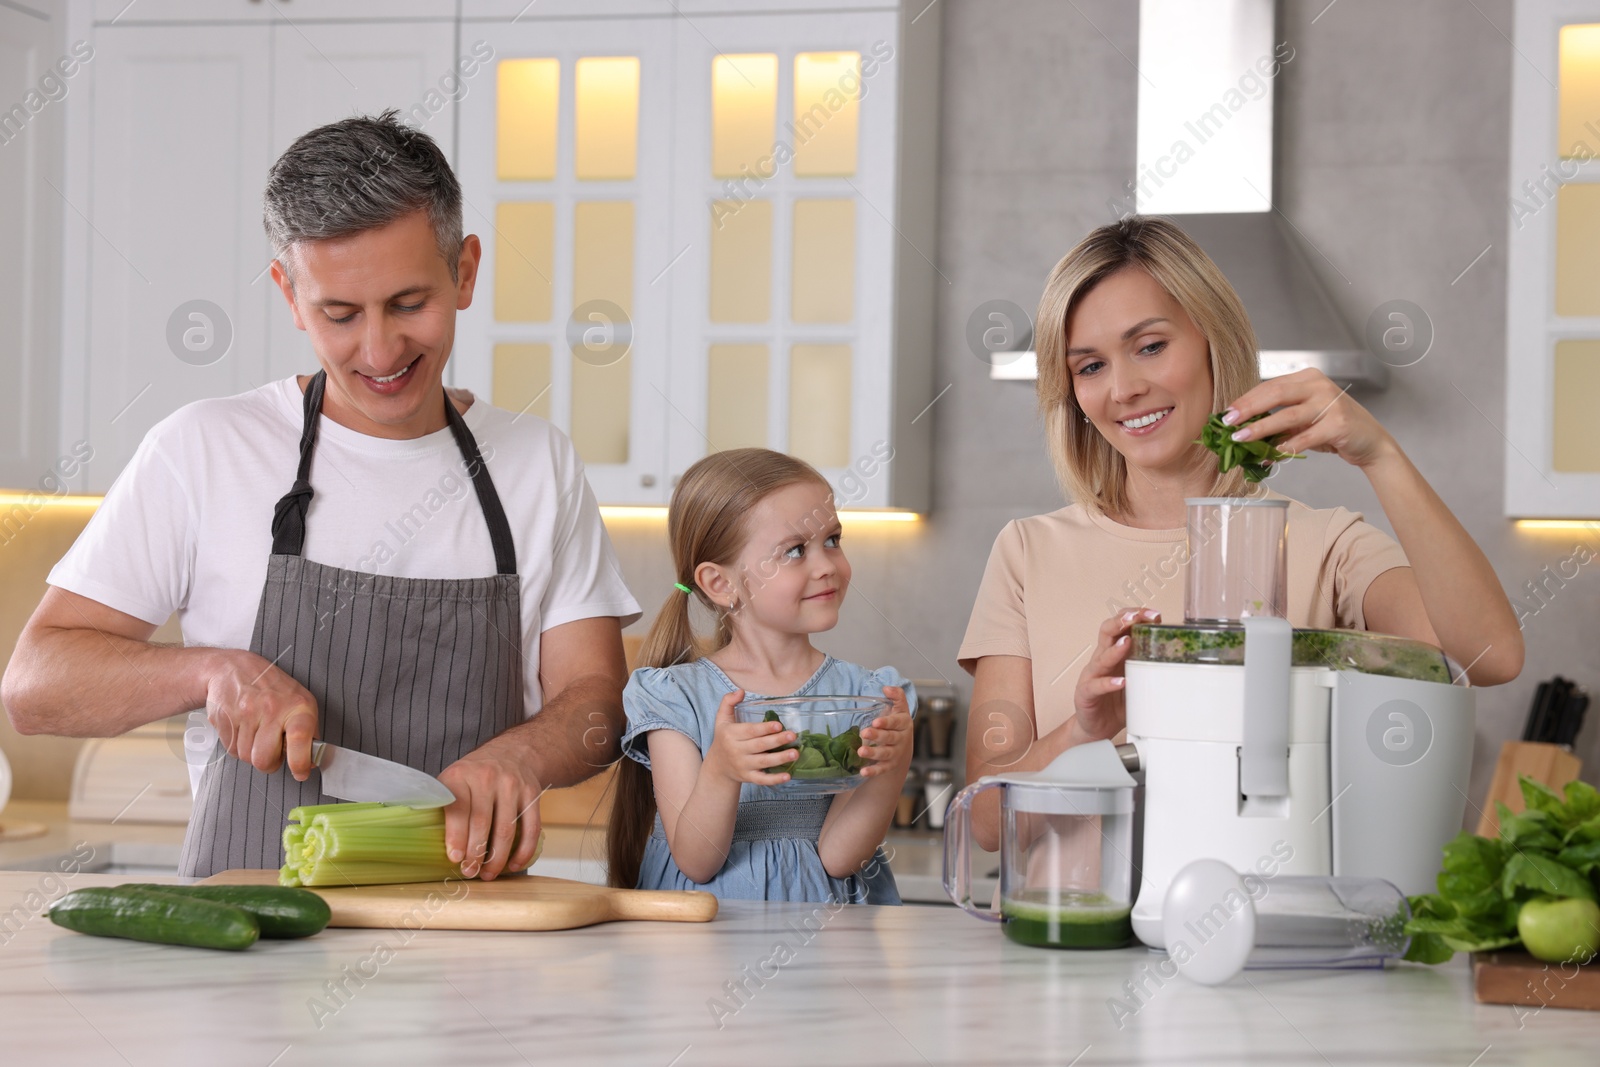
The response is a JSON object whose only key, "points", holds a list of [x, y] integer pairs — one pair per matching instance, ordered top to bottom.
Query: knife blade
{"points": [[351, 775]]}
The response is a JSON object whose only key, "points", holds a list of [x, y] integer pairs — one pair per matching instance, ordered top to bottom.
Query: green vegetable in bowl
{"points": [[1251, 457], [1344, 650], [821, 755], [1535, 883]]}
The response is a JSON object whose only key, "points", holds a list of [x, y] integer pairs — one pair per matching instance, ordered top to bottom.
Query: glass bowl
{"points": [[829, 733]]}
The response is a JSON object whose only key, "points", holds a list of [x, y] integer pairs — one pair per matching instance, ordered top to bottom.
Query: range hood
{"points": [[1207, 69]]}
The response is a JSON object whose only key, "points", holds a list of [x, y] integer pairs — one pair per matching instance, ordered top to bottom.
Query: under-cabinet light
{"points": [[35, 500], [619, 511], [1558, 524]]}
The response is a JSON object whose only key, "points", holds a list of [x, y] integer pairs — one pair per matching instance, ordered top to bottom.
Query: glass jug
{"points": [[1066, 847]]}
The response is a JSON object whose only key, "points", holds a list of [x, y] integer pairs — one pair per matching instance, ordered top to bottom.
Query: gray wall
{"points": [[1392, 161]]}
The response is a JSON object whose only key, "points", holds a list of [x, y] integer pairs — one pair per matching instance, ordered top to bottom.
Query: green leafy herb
{"points": [[1251, 457], [822, 755], [1549, 852]]}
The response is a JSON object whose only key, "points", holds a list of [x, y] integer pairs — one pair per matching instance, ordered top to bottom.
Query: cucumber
{"points": [[279, 912], [165, 918]]}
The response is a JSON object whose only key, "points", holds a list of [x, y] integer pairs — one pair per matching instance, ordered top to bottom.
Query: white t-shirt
{"points": [[187, 526]]}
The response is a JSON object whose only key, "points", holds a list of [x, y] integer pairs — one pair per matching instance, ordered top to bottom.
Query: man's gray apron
{"points": [[417, 670]]}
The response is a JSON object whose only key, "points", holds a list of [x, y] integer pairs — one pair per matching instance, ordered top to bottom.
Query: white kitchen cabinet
{"points": [[285, 12], [179, 117], [184, 123], [32, 130], [565, 167], [787, 193], [600, 304], [790, 309], [1552, 454]]}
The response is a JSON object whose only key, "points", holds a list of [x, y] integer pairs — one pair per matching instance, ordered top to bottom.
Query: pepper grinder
{"points": [[941, 721], [937, 788], [910, 801]]}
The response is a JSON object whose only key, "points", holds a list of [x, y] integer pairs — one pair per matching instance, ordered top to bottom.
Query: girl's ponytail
{"points": [[633, 810]]}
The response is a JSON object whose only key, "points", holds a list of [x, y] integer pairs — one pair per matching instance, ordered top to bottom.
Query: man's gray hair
{"points": [[359, 174]]}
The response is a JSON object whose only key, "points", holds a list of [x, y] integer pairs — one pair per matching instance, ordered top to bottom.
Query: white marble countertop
{"points": [[915, 856], [881, 986]]}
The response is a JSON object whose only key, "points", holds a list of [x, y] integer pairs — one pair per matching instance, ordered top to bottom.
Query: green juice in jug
{"points": [[1066, 920]]}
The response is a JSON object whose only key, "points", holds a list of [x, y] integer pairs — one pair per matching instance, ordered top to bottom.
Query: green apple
{"points": [[1560, 931]]}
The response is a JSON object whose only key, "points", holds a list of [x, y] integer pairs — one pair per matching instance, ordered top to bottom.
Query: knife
{"points": [[1577, 718], [1530, 729], [351, 775]]}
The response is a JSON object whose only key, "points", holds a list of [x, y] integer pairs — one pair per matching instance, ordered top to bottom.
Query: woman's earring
{"points": [[1085, 418]]}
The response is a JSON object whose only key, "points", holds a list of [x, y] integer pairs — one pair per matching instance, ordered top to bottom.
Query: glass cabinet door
{"points": [[565, 161], [784, 186], [1575, 373], [1552, 450]]}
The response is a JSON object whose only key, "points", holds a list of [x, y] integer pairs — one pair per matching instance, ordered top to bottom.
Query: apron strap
{"points": [[289, 517], [505, 550]]}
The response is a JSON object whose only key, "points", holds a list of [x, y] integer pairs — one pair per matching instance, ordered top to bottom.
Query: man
{"points": [[353, 555]]}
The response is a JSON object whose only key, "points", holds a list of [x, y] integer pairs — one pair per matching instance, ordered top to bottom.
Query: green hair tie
{"points": [[682, 587]]}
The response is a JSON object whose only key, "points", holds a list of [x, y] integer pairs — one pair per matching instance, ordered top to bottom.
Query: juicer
{"points": [[1309, 752]]}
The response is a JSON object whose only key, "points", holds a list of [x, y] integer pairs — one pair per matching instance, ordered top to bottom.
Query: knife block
{"points": [[1543, 762]]}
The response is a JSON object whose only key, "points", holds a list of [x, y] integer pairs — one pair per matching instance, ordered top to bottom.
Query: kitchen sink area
{"points": [[40, 835], [126, 859]]}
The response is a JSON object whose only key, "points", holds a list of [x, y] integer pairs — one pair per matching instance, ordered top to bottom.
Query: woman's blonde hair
{"points": [[1090, 470], [705, 524]]}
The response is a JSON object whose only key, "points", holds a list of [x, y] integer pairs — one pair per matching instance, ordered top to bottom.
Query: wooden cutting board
{"points": [[519, 902], [1514, 977]]}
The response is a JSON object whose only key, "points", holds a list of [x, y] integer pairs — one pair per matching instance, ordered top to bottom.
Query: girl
{"points": [[1140, 339], [755, 539]]}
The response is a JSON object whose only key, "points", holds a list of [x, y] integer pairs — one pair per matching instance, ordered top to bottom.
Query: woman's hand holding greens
{"points": [[1313, 414], [1450, 596]]}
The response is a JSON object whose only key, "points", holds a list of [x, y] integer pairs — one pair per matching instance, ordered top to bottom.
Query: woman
{"points": [[1140, 339]]}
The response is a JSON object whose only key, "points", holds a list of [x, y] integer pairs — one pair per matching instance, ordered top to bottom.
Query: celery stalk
{"points": [[307, 812], [366, 844]]}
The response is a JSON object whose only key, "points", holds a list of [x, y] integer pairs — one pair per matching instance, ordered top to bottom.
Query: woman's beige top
{"points": [[1053, 579]]}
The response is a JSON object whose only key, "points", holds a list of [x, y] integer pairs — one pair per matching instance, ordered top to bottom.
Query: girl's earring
{"points": [[1085, 418]]}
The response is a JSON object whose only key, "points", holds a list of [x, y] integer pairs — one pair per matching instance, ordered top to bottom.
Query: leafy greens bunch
{"points": [[1252, 457], [821, 755], [1535, 883]]}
